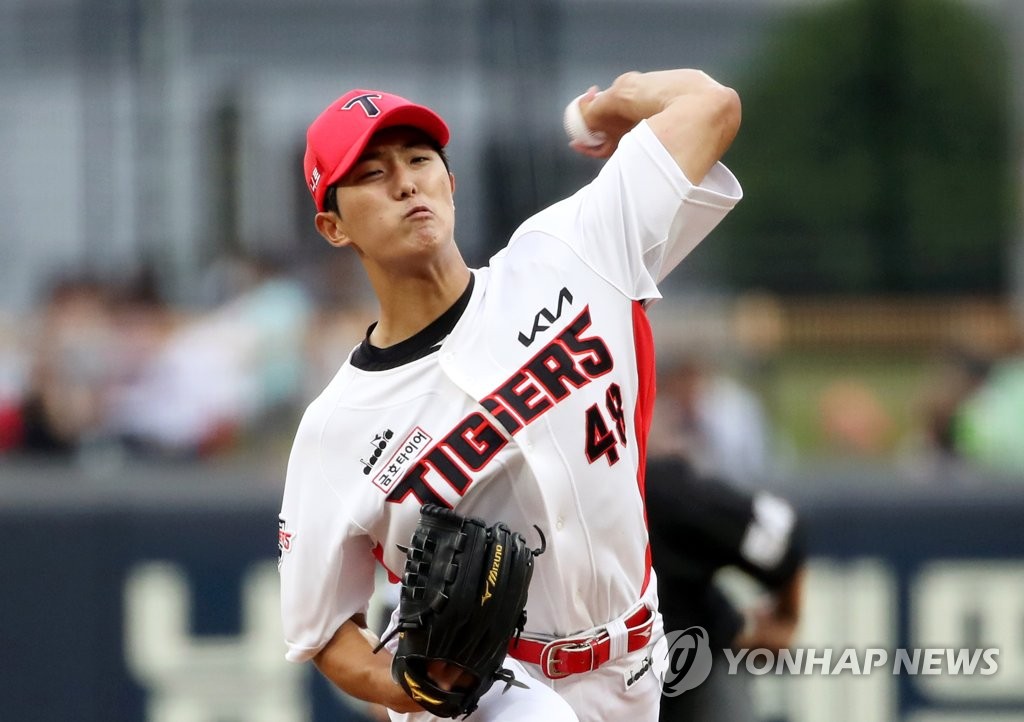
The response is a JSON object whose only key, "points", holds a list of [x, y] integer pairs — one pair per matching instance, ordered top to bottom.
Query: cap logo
{"points": [[365, 102], [314, 179]]}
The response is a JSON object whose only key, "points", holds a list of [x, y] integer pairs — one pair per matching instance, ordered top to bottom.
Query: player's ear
{"points": [[451, 180], [328, 225]]}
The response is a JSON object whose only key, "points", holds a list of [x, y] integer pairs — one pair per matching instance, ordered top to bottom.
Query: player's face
{"points": [[395, 204]]}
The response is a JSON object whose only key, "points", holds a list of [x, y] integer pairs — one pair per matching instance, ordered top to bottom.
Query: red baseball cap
{"points": [[336, 139]]}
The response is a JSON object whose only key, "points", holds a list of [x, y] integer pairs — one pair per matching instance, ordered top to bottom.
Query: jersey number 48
{"points": [[603, 436]]}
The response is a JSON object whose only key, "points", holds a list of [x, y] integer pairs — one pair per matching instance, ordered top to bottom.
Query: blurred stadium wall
{"points": [[149, 592]]}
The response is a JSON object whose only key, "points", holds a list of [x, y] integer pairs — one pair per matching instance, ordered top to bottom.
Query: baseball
{"points": [[577, 129]]}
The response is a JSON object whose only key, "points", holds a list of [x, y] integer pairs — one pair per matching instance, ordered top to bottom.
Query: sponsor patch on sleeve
{"points": [[285, 540]]}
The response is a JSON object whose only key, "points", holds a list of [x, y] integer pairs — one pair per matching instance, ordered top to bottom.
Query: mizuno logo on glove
{"points": [[492, 576]]}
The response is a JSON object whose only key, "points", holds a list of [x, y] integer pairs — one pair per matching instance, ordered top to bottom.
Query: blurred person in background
{"points": [[279, 310], [114, 367], [70, 369], [219, 375], [12, 383], [970, 418], [853, 421], [715, 422], [988, 425], [932, 450], [700, 525]]}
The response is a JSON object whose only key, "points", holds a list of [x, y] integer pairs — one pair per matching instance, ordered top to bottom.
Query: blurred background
{"points": [[851, 337]]}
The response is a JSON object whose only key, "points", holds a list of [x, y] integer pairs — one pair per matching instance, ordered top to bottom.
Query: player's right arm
{"points": [[694, 117], [663, 189], [349, 663]]}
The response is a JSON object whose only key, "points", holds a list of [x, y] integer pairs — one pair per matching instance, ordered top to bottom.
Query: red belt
{"points": [[573, 655]]}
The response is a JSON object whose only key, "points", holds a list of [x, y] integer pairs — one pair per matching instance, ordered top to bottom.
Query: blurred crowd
{"points": [[103, 365], [115, 365], [973, 411], [963, 421]]}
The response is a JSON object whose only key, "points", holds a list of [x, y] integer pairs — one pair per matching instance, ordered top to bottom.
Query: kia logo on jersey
{"points": [[545, 315]]}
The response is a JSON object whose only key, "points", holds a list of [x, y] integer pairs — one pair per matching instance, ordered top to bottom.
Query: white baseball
{"points": [[577, 129]]}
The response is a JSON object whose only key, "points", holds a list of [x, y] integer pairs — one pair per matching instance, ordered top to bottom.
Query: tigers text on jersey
{"points": [[533, 411]]}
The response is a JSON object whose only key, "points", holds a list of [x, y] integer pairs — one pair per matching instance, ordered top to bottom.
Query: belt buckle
{"points": [[548, 662]]}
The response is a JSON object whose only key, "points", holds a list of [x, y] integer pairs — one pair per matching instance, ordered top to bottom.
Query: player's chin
{"points": [[428, 241]]}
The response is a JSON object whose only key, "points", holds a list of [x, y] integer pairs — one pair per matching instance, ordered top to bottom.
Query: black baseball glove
{"points": [[463, 599]]}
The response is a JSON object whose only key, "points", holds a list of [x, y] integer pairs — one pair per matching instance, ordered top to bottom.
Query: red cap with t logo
{"points": [[338, 136]]}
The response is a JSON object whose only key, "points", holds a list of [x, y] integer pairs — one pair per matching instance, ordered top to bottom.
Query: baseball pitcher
{"points": [[485, 442]]}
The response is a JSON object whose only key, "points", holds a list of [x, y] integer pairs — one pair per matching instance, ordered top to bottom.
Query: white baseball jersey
{"points": [[533, 410]]}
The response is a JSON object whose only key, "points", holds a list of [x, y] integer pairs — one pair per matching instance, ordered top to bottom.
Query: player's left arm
{"points": [[349, 662]]}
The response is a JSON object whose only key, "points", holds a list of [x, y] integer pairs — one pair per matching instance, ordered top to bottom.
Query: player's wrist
{"points": [[598, 119], [392, 696]]}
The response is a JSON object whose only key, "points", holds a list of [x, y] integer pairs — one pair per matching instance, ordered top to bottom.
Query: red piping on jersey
{"points": [[643, 341], [378, 551]]}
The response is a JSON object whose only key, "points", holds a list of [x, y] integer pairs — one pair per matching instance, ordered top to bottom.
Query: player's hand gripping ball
{"points": [[576, 128], [463, 599]]}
